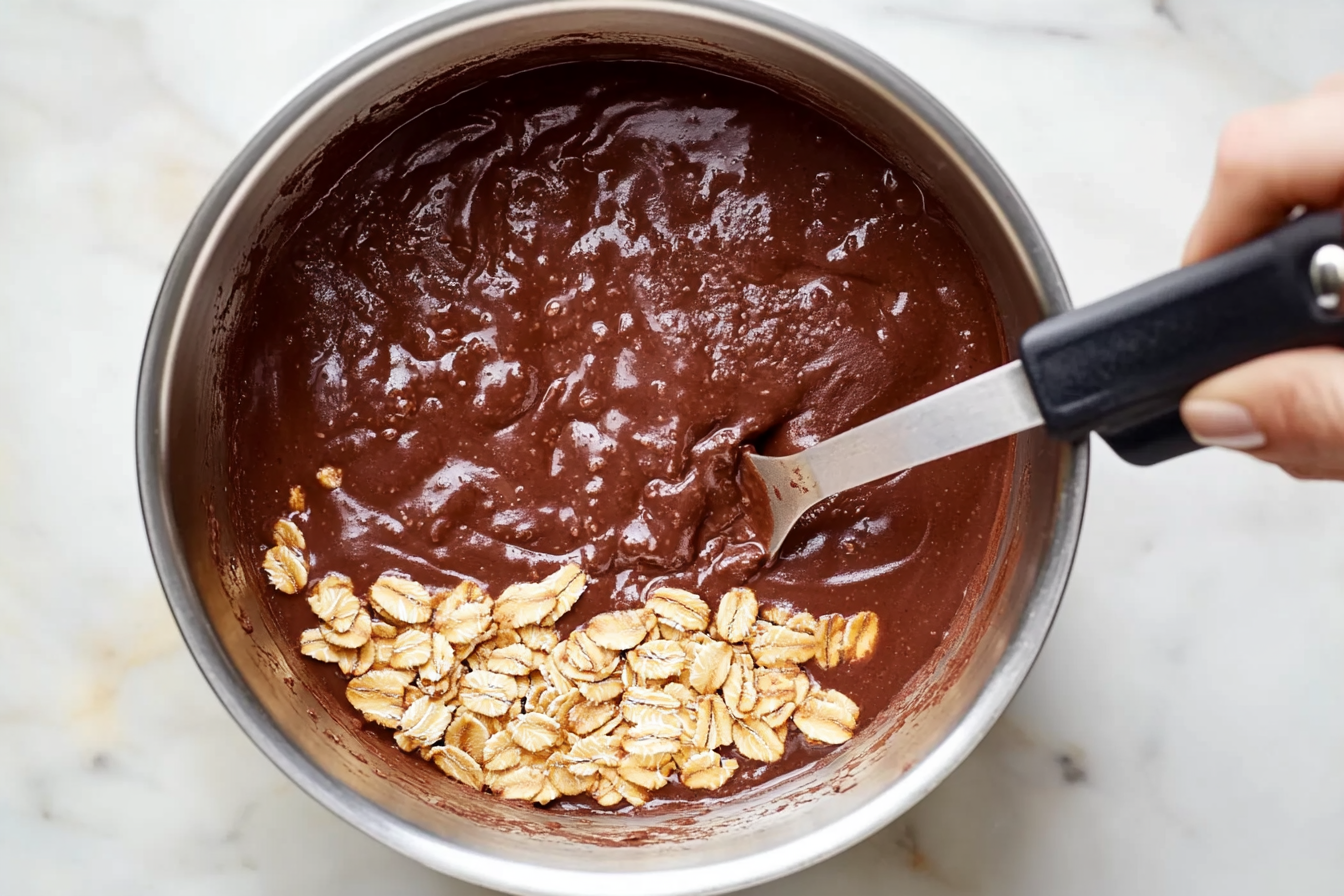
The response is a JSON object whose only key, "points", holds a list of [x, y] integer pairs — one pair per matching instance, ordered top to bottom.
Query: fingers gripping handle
{"points": [[1120, 367]]}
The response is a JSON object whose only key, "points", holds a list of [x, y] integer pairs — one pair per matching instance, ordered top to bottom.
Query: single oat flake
{"points": [[286, 569], [401, 600], [680, 609], [736, 615], [827, 717]]}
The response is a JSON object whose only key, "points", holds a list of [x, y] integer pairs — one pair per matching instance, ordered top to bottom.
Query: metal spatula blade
{"points": [[990, 406]]}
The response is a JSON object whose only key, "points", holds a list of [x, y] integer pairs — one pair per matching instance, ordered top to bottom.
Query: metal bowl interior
{"points": [[897, 759]]}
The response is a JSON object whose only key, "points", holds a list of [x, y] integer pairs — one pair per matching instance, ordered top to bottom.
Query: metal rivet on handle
{"points": [[1327, 276]]}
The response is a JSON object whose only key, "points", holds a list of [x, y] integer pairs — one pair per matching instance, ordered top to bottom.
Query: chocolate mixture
{"points": [[540, 322]]}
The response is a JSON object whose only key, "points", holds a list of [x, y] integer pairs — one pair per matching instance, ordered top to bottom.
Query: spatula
{"points": [[1118, 367]]}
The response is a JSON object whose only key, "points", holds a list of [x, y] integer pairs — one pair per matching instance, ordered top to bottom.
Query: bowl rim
{"points": [[208, 652]]}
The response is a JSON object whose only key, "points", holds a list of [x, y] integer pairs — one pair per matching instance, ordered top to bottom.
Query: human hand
{"points": [[1287, 408]]}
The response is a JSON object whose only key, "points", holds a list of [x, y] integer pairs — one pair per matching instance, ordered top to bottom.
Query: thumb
{"points": [[1287, 409]]}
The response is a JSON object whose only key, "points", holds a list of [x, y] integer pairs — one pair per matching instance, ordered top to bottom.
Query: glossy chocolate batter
{"points": [[541, 322]]}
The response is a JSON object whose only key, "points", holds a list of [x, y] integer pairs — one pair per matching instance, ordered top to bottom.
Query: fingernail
{"points": [[1221, 424]]}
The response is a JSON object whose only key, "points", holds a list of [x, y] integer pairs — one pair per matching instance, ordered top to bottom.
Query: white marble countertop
{"points": [[1181, 734]]}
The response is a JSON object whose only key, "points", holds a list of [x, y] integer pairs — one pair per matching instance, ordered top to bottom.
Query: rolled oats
{"points": [[330, 477], [298, 501], [287, 535], [286, 569], [569, 582], [333, 600], [401, 600], [531, 603], [524, 604], [679, 609], [464, 614], [736, 615], [803, 622], [620, 629], [668, 632], [356, 635], [860, 636], [503, 637], [542, 639], [830, 640], [312, 644], [776, 645], [382, 650], [411, 650], [467, 652], [516, 659], [583, 659], [362, 660], [656, 660], [351, 661], [441, 662], [709, 665], [551, 671], [446, 686], [739, 688], [774, 689], [487, 691], [601, 691], [681, 692], [539, 693], [378, 695], [639, 702], [561, 705], [587, 717], [776, 717], [827, 717], [713, 723], [422, 724], [493, 724], [534, 731], [467, 734], [652, 740], [757, 740], [501, 753], [591, 754], [458, 765], [707, 770], [648, 773], [562, 779], [522, 783], [604, 790], [629, 791], [547, 793]]}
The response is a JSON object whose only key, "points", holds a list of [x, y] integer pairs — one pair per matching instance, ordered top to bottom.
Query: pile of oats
{"points": [[486, 690]]}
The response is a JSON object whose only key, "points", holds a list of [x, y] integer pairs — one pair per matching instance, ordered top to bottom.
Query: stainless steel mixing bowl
{"points": [[898, 757]]}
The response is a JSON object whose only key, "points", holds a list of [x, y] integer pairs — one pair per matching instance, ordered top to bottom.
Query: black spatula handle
{"points": [[1121, 366]]}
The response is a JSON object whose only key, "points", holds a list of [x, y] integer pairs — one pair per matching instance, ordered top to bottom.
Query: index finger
{"points": [[1270, 161]]}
